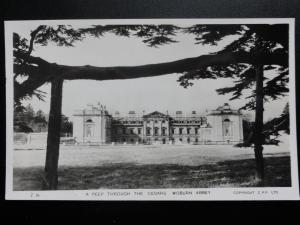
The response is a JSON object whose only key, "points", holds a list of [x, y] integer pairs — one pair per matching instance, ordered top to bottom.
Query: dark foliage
{"points": [[152, 35], [254, 39], [281, 123], [66, 125]]}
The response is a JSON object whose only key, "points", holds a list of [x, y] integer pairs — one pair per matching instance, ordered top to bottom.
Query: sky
{"points": [[161, 93]]}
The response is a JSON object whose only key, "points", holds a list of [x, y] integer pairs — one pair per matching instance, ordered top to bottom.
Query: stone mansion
{"points": [[95, 125]]}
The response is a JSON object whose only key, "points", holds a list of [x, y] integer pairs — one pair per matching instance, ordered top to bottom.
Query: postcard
{"points": [[151, 109]]}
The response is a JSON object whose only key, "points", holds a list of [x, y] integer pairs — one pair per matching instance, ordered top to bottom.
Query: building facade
{"points": [[96, 125]]}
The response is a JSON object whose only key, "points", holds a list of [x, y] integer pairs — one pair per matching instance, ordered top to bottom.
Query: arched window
{"points": [[89, 121], [226, 123], [88, 131]]}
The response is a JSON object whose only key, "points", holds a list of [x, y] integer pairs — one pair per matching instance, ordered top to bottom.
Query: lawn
{"points": [[227, 173]]}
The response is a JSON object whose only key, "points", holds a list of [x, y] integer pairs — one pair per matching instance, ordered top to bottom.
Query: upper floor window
{"points": [[139, 130], [180, 130], [188, 130], [163, 131]]}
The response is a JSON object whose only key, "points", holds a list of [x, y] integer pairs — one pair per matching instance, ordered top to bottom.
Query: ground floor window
{"points": [[148, 131], [156, 131]]}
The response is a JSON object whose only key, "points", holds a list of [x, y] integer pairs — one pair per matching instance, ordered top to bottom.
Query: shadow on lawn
{"points": [[236, 173]]}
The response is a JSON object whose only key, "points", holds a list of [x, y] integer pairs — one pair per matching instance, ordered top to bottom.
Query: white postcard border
{"points": [[259, 193]]}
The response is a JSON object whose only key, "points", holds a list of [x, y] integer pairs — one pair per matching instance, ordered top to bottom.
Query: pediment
{"points": [[156, 114]]}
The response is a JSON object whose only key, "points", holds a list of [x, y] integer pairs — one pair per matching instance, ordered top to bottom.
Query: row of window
{"points": [[156, 121], [187, 121], [128, 122], [188, 130], [131, 131], [156, 131], [188, 140]]}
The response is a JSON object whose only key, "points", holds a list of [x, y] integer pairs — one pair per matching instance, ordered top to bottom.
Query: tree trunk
{"points": [[258, 128], [53, 139]]}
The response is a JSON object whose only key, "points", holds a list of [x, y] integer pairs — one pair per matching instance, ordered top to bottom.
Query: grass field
{"points": [[162, 166], [234, 173]]}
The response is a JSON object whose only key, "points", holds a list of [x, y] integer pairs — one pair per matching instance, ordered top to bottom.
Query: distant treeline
{"points": [[27, 120], [271, 128]]}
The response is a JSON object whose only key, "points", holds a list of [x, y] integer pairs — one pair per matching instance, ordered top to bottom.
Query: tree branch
{"points": [[33, 35], [50, 71]]}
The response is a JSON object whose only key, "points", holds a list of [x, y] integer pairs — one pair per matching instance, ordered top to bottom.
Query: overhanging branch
{"points": [[50, 71]]}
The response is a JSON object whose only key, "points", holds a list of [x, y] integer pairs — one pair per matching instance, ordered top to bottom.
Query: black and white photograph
{"points": [[151, 109]]}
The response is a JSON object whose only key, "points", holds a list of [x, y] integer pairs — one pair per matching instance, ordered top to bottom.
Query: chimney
{"points": [[131, 113], [179, 113], [193, 113]]}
